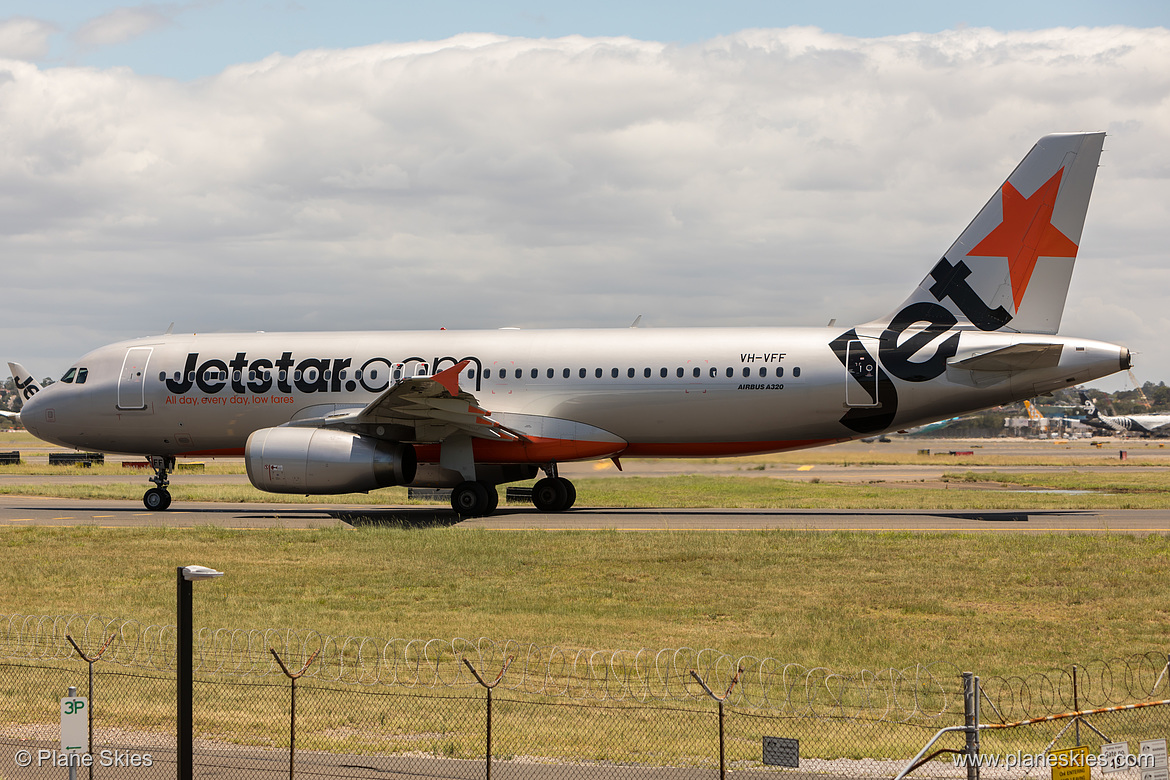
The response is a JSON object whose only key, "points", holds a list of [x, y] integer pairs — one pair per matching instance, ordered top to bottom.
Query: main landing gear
{"points": [[553, 494], [158, 498], [474, 499], [479, 499]]}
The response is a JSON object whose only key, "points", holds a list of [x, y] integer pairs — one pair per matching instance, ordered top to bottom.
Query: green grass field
{"points": [[994, 603], [997, 604]]}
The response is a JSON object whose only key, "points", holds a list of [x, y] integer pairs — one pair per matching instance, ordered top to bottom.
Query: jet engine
{"points": [[321, 461]]}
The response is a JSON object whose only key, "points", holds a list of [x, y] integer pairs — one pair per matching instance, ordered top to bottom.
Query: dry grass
{"points": [[998, 603]]}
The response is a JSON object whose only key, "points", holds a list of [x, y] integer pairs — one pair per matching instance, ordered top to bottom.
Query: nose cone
{"points": [[32, 410], [37, 416]]}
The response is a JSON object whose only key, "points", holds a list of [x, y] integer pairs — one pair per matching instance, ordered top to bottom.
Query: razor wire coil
{"points": [[920, 692]]}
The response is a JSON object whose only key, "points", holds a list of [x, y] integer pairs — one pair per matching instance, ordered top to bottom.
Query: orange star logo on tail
{"points": [[1026, 233]]}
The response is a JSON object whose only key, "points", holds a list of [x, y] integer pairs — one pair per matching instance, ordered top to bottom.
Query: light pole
{"points": [[184, 650]]}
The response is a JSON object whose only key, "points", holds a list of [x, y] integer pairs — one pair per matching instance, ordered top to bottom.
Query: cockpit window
{"points": [[70, 375], [82, 375]]}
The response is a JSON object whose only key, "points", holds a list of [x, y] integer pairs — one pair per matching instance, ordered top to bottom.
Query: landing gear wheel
{"points": [[570, 491], [551, 494], [156, 499], [472, 499], [493, 499]]}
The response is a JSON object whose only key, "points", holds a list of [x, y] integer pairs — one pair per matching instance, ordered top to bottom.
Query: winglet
{"points": [[449, 378]]}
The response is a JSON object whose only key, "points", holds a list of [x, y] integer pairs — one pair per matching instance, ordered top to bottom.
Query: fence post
{"points": [[91, 662], [494, 683], [720, 699], [1076, 705], [971, 723], [292, 725]]}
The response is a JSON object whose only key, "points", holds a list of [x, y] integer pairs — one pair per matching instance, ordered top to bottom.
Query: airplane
{"points": [[338, 412], [1152, 424]]}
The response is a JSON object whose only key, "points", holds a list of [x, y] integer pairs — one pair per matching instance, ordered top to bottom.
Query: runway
{"points": [[855, 462], [16, 511]]}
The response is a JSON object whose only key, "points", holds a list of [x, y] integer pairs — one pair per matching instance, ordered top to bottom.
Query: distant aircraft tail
{"points": [[1010, 269], [1090, 407]]}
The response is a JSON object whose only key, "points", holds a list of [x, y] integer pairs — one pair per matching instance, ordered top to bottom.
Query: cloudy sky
{"points": [[261, 164]]}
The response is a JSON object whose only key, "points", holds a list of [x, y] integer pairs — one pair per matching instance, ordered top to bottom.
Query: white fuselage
{"points": [[663, 392]]}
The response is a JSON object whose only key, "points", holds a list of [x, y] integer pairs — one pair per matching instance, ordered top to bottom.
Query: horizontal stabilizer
{"points": [[1017, 357]]}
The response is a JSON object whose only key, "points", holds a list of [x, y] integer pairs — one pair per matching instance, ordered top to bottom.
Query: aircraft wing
{"points": [[434, 407], [12, 415]]}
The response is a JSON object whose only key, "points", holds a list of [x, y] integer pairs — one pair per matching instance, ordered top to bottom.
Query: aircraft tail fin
{"points": [[1010, 268], [26, 385], [1090, 407]]}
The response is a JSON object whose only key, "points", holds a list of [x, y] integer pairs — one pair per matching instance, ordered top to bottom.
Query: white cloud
{"points": [[122, 25], [22, 38], [769, 177]]}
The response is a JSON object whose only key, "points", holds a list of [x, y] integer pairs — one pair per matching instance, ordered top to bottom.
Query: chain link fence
{"points": [[365, 708]]}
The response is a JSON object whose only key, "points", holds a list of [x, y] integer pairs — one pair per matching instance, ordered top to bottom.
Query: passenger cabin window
{"points": [[779, 371], [796, 371], [613, 372], [662, 372], [679, 372], [696, 372], [714, 372], [730, 372], [519, 373], [535, 373], [566, 373], [581, 373], [597, 373], [630, 373], [646, 373], [550, 374]]}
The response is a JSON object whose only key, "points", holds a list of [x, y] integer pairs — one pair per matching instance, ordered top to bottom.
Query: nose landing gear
{"points": [[158, 498]]}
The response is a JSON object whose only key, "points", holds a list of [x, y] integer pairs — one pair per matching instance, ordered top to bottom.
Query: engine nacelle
{"points": [[320, 461]]}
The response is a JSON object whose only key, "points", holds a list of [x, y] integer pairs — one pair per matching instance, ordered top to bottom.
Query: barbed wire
{"points": [[1096, 684], [921, 692]]}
